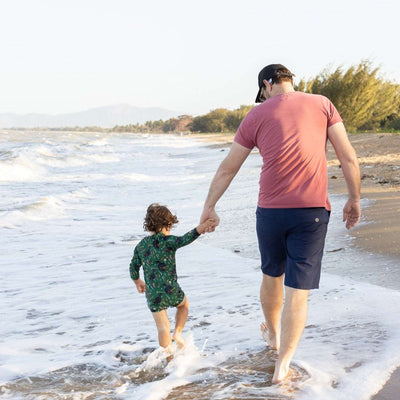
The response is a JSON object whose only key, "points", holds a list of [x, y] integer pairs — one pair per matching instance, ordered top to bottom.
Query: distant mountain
{"points": [[105, 117]]}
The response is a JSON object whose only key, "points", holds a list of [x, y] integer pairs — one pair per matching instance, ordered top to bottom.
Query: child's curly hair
{"points": [[158, 217]]}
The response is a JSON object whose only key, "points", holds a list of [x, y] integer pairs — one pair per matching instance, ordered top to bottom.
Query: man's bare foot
{"points": [[268, 336], [177, 337], [281, 373]]}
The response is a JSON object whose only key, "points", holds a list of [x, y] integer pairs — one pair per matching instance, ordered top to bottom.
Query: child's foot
{"points": [[177, 337], [269, 338], [169, 353]]}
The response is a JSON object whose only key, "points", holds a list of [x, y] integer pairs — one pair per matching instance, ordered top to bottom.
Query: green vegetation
{"points": [[365, 101], [219, 120]]}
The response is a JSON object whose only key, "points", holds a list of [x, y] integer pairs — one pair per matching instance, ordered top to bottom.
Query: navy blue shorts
{"points": [[291, 242]]}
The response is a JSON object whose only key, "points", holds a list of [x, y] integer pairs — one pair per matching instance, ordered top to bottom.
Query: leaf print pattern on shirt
{"points": [[156, 254]]}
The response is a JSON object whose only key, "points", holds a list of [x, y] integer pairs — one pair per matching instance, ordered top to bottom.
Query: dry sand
{"points": [[379, 157]]}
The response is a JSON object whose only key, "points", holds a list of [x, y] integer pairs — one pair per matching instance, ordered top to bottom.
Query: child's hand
{"points": [[203, 227], [140, 285]]}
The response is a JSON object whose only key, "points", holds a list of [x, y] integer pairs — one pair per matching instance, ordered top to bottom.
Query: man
{"points": [[290, 129]]}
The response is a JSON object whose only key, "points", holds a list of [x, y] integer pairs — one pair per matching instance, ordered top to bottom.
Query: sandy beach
{"points": [[379, 232]]}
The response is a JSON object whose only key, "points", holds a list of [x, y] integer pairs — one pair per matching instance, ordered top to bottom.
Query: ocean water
{"points": [[74, 327]]}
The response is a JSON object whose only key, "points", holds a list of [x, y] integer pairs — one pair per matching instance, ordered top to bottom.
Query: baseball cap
{"points": [[271, 71]]}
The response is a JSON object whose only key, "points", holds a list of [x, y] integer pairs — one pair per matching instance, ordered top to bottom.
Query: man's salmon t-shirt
{"points": [[290, 131]]}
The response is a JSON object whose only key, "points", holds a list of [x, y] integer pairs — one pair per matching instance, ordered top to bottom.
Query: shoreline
{"points": [[379, 157], [379, 230]]}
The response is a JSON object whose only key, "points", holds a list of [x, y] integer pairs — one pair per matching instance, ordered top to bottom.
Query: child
{"points": [[156, 253]]}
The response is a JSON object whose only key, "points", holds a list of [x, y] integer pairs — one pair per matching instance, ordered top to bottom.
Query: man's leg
{"points": [[271, 296], [182, 311], [294, 317], [163, 328]]}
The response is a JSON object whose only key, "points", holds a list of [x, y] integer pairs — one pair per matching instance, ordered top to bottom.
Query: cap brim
{"points": [[258, 100]]}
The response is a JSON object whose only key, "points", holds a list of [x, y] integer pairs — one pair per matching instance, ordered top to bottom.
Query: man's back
{"points": [[290, 130]]}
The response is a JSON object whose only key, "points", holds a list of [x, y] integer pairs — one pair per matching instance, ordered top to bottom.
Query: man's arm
{"points": [[348, 159], [221, 181]]}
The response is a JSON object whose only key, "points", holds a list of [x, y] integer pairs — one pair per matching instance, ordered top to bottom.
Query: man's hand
{"points": [[351, 213], [209, 214], [205, 226], [140, 286]]}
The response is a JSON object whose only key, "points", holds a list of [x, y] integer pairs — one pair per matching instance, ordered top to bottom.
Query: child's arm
{"points": [[192, 235], [134, 271]]}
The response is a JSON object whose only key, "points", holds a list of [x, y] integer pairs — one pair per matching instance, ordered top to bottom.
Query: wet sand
{"points": [[379, 157]]}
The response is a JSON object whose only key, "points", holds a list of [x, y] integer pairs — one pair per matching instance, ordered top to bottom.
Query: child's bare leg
{"points": [[182, 311], [163, 328]]}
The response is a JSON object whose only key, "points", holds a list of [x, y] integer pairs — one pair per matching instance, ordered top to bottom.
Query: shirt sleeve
{"points": [[333, 115], [246, 133], [187, 238], [135, 265]]}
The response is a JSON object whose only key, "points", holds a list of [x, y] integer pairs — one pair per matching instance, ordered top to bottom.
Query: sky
{"points": [[186, 56]]}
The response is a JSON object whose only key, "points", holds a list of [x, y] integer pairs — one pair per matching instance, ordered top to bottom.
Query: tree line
{"points": [[364, 99], [219, 120]]}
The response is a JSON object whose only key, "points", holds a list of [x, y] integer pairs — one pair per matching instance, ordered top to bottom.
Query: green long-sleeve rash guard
{"points": [[156, 254]]}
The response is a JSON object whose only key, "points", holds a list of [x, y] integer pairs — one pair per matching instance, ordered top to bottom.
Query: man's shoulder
{"points": [[313, 97], [277, 101]]}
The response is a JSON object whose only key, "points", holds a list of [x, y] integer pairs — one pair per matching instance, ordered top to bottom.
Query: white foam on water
{"points": [[99, 142], [45, 151], [78, 160], [20, 169], [162, 178], [83, 193], [43, 209], [353, 340], [184, 364]]}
